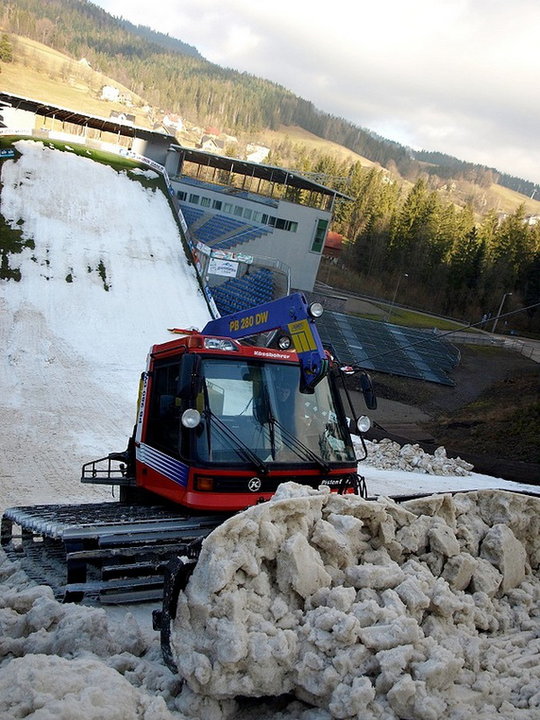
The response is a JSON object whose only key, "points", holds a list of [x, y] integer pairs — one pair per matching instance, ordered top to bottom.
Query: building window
{"points": [[181, 195], [194, 199], [205, 202], [216, 204], [227, 208], [238, 210], [247, 213], [256, 217], [320, 235]]}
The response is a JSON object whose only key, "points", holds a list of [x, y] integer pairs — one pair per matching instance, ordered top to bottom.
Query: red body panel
{"points": [[187, 496]]}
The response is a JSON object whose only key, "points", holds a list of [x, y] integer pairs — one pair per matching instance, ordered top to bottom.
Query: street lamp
{"points": [[405, 275], [499, 311]]}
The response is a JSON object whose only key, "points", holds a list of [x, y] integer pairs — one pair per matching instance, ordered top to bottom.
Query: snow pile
{"points": [[389, 455], [370, 609], [66, 661]]}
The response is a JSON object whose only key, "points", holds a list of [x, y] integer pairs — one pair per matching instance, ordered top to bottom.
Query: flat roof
{"points": [[78, 118], [270, 173]]}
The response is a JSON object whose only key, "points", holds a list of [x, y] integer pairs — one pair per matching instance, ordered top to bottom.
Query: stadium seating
{"points": [[191, 215], [220, 231], [240, 293]]}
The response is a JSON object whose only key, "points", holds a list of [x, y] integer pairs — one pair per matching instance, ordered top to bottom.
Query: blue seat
{"points": [[244, 292]]}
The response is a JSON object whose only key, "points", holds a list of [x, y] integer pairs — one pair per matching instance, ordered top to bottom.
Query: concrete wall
{"points": [[152, 146]]}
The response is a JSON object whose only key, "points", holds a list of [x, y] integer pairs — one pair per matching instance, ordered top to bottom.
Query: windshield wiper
{"points": [[297, 446], [243, 450]]}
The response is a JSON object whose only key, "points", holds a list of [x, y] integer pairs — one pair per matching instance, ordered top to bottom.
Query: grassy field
{"points": [[41, 73], [312, 143], [415, 319]]}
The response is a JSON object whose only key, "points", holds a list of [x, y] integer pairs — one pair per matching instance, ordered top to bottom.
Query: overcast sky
{"points": [[459, 76]]}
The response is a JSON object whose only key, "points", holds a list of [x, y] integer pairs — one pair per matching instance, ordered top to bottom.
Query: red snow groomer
{"points": [[220, 424]]}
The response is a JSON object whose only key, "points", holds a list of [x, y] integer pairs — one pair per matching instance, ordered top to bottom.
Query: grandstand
{"points": [[220, 231], [240, 293]]}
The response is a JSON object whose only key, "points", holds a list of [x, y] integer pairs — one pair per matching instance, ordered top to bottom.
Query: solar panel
{"points": [[389, 348]]}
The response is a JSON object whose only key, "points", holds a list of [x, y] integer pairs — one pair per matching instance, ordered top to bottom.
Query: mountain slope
{"points": [[172, 75], [102, 278]]}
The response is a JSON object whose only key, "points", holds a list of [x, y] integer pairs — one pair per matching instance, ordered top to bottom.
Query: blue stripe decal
{"points": [[169, 467]]}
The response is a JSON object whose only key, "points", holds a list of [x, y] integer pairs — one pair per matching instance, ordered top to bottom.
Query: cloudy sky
{"points": [[459, 76]]}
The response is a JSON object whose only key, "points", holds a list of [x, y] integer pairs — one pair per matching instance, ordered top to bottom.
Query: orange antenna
{"points": [[183, 331]]}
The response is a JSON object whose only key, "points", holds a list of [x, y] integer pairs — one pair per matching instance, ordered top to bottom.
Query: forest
{"points": [[448, 260]]}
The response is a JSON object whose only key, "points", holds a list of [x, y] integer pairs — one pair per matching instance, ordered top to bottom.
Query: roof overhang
{"points": [[57, 112], [270, 173]]}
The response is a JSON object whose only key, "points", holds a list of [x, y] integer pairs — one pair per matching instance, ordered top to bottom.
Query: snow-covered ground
{"points": [[73, 351], [366, 611]]}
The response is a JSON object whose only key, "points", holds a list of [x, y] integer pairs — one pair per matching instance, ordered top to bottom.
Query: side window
{"points": [[320, 235], [163, 430]]}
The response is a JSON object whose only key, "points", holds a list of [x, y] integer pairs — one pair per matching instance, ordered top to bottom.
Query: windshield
{"points": [[255, 410]]}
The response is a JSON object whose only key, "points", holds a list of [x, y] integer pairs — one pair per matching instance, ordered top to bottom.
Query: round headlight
{"points": [[316, 309], [191, 418], [363, 423]]}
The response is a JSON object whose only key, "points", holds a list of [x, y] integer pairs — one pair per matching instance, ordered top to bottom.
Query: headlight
{"points": [[316, 309], [284, 342], [213, 343], [191, 418], [363, 423]]}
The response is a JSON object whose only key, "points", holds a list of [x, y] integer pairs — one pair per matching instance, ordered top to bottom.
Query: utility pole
{"points": [[404, 275], [499, 311]]}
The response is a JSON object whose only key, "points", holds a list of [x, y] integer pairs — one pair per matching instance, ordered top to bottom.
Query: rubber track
{"points": [[109, 552]]}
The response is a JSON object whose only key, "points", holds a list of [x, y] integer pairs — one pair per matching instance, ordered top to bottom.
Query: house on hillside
{"points": [[110, 93], [125, 118], [172, 122], [211, 143]]}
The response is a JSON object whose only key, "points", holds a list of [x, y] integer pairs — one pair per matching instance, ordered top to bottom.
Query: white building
{"points": [[257, 210]]}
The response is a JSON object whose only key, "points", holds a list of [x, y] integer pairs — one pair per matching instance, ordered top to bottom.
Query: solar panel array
{"points": [[388, 348]]}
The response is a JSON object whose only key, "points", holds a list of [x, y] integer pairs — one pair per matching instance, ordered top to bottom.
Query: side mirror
{"points": [[368, 391]]}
